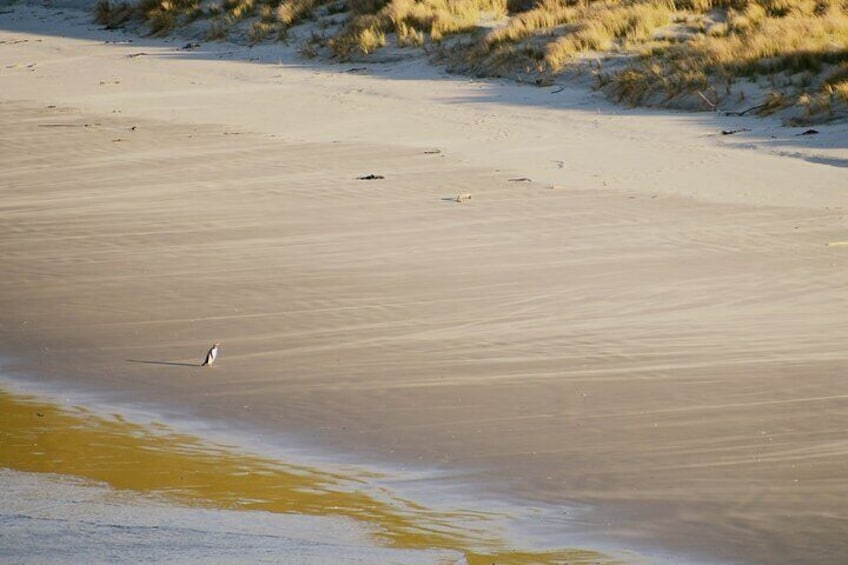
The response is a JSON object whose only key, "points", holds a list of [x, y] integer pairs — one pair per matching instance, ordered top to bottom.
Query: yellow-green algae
{"points": [[37, 436]]}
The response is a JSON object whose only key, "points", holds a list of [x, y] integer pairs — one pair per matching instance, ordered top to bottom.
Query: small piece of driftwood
{"points": [[713, 106], [743, 112]]}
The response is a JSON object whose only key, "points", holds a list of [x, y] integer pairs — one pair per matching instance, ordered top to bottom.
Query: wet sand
{"points": [[660, 337], [102, 486], [49, 519]]}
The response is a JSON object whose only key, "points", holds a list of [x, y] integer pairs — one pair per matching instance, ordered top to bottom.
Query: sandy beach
{"points": [[632, 312], [90, 481]]}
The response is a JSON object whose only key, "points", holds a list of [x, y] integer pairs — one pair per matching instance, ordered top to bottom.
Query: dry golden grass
{"points": [[237, 10], [290, 13], [113, 15], [412, 22], [604, 28], [218, 30], [261, 30], [362, 35], [408, 36], [370, 39], [786, 45], [672, 49], [832, 97]]}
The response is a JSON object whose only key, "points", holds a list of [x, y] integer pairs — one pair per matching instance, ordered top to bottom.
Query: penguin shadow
{"points": [[171, 363]]}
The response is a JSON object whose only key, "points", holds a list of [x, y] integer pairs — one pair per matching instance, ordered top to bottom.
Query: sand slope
{"points": [[662, 336]]}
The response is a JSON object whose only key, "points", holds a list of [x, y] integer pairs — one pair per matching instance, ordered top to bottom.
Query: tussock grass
{"points": [[237, 10], [291, 13], [113, 15], [163, 16], [412, 21], [607, 28], [218, 30], [260, 30], [408, 36], [791, 46], [668, 52]]}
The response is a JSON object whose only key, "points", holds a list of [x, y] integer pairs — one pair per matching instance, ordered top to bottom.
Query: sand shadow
{"points": [[164, 363]]}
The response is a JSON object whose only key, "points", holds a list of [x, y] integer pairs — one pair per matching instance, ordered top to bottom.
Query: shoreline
{"points": [[658, 337], [50, 507], [429, 515]]}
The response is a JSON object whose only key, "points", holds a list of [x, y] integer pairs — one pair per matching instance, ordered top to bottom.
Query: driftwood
{"points": [[710, 103], [751, 109]]}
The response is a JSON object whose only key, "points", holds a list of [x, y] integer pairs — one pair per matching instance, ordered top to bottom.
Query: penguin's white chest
{"points": [[210, 357]]}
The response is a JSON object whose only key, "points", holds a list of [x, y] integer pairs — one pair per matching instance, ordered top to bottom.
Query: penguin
{"points": [[210, 357]]}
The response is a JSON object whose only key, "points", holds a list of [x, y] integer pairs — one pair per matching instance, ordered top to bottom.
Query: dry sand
{"points": [[662, 336]]}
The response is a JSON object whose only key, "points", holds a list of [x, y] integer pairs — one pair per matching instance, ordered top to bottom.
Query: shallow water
{"points": [[101, 487], [57, 519]]}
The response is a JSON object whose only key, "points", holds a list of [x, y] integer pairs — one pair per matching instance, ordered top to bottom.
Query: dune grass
{"points": [[413, 22], [796, 49], [707, 54]]}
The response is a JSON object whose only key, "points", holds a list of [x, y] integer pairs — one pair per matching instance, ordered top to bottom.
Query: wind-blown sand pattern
{"points": [[661, 338]]}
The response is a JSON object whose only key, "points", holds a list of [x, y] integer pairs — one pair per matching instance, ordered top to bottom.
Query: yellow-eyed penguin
{"points": [[210, 357]]}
